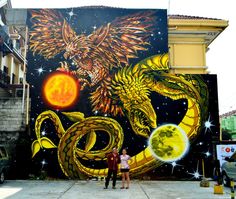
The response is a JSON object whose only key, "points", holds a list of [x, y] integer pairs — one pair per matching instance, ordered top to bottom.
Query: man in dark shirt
{"points": [[113, 160]]}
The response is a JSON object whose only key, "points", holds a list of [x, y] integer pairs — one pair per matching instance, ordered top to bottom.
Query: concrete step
{"points": [[4, 93]]}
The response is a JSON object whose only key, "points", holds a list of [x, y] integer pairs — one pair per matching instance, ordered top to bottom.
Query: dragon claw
{"points": [[43, 142]]}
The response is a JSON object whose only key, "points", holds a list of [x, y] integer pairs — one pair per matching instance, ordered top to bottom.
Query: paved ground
{"points": [[27, 189]]}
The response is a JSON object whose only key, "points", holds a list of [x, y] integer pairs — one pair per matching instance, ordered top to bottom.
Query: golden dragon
{"points": [[131, 86]]}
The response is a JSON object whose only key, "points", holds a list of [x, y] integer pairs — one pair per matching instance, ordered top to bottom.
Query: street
{"points": [[63, 189]]}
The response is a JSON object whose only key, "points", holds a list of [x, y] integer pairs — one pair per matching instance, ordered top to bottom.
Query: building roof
{"points": [[190, 17], [195, 26], [233, 112]]}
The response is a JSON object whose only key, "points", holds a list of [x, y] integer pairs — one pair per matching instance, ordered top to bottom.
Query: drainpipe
{"points": [[24, 78], [27, 104]]}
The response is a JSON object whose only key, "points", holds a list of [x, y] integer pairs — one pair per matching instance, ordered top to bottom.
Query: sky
{"points": [[219, 57]]}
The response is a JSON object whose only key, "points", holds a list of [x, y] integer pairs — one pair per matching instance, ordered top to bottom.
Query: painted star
{"points": [[71, 13], [40, 70], [208, 124], [43, 132], [207, 153], [43, 162], [174, 164], [196, 173]]}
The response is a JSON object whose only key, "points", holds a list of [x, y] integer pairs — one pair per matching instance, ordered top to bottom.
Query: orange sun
{"points": [[60, 90]]}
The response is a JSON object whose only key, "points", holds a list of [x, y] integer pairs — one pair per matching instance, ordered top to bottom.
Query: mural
{"points": [[100, 80]]}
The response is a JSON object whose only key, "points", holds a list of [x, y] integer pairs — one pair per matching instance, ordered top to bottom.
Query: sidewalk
{"points": [[27, 189]]}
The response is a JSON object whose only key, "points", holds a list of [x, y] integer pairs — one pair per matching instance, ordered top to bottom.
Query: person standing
{"points": [[113, 160], [124, 168]]}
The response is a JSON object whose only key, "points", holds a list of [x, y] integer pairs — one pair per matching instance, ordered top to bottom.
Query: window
{"points": [[5, 69], [13, 78]]}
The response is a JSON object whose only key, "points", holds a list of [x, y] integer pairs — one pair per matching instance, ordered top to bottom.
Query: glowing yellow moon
{"points": [[60, 90], [169, 143]]}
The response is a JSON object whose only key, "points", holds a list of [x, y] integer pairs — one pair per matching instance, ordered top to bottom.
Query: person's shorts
{"points": [[124, 170]]}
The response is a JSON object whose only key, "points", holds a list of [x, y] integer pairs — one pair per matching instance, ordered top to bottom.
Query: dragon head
{"points": [[133, 92]]}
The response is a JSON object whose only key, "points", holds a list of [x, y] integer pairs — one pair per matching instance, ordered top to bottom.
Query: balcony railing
{"points": [[6, 46]]}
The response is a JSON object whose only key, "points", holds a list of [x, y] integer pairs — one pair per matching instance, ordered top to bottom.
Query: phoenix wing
{"points": [[50, 33], [120, 40]]}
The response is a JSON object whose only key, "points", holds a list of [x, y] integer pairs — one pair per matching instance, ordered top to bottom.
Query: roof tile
{"points": [[190, 17]]}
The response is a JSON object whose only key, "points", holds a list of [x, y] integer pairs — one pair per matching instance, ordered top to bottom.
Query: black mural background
{"points": [[85, 20]]}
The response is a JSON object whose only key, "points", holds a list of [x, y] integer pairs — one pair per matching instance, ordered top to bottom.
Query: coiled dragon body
{"points": [[131, 86]]}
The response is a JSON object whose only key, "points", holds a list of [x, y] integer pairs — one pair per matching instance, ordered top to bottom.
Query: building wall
{"points": [[14, 38], [189, 39], [187, 52], [187, 55], [11, 59], [14, 67], [140, 104], [11, 115], [13, 129]]}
